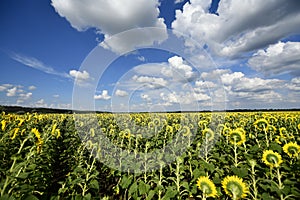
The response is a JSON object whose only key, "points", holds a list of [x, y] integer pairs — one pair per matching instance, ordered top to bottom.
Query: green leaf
{"points": [[275, 147], [241, 172], [23, 175], [126, 181], [94, 184], [185, 185], [133, 188], [143, 188], [171, 193], [150, 194], [87, 196], [266, 196], [7, 197], [31, 197]]}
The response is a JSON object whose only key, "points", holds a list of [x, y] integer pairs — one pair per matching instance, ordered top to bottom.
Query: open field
{"points": [[246, 155]]}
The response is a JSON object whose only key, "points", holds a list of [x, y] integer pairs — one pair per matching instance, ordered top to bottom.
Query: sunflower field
{"points": [[234, 155]]}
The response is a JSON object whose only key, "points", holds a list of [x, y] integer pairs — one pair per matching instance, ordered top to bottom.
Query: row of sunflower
{"points": [[150, 156]]}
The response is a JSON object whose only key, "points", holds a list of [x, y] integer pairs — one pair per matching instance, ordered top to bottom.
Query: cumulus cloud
{"points": [[111, 17], [240, 26], [277, 59], [179, 70], [81, 78], [150, 82], [205, 84], [294, 84], [4, 87], [32, 87], [12, 92], [121, 93], [25, 96], [103, 96], [145, 97], [185, 98], [40, 103]]}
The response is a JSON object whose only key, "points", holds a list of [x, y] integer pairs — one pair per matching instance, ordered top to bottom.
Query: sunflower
{"points": [[272, 120], [203, 123], [261, 124], [3, 125], [298, 126], [177, 127], [220, 128], [169, 129], [271, 129], [16, 130], [185, 131], [226, 131], [283, 132], [127, 133], [208, 134], [237, 136], [279, 139], [39, 141], [292, 149], [271, 158], [207, 186], [235, 187]]}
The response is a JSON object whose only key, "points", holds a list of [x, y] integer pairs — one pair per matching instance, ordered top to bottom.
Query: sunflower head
{"points": [[272, 120], [261, 124], [3, 125], [220, 128], [169, 129], [271, 129], [185, 131], [226, 131], [283, 132], [208, 134], [237, 136], [292, 149], [271, 158], [207, 186], [235, 187]]}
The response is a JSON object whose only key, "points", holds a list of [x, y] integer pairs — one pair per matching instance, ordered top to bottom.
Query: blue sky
{"points": [[198, 55]]}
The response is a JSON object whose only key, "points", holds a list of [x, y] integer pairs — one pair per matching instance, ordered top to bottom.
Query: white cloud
{"points": [[178, 1], [110, 17], [241, 26], [141, 58], [277, 59], [37, 64], [181, 70], [214, 75], [81, 78], [228, 79], [150, 82], [205, 84], [294, 85], [4, 87], [32, 87], [12, 92], [121, 93], [56, 95], [25, 96], [103, 96], [145, 97], [184, 98], [40, 103]]}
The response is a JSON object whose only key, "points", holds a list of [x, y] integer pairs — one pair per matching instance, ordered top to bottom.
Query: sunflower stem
{"points": [[266, 136], [235, 154]]}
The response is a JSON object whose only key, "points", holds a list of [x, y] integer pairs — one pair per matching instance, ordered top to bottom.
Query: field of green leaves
{"points": [[246, 155]]}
